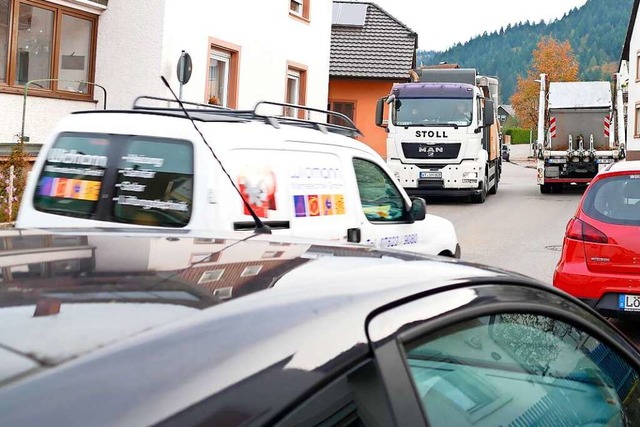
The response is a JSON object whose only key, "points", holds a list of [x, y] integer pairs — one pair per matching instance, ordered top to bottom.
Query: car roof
{"points": [[222, 132], [623, 166], [144, 310]]}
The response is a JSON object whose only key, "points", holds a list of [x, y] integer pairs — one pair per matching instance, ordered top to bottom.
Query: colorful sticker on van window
{"points": [[258, 187], [77, 189]]}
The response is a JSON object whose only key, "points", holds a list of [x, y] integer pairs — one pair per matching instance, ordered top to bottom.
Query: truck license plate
{"points": [[430, 175], [629, 302]]}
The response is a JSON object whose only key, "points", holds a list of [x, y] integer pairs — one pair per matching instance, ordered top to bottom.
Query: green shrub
{"points": [[521, 136]]}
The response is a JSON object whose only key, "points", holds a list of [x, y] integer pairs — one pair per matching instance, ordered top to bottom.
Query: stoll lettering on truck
{"points": [[442, 133]]}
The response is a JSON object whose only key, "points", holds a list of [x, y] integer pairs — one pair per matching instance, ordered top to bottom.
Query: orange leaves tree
{"points": [[557, 61]]}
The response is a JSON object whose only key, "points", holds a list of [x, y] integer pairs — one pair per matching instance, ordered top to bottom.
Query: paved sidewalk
{"points": [[522, 154]]}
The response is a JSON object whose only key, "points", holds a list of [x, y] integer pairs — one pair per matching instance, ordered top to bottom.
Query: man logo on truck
{"points": [[431, 151]]}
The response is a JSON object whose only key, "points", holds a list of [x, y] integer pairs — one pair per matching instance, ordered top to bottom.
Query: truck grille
{"points": [[417, 150]]}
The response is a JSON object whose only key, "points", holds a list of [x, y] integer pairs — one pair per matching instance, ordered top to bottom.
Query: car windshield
{"points": [[433, 111]]}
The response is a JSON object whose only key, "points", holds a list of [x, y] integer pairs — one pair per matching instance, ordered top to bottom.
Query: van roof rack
{"points": [[172, 104], [301, 114], [348, 129]]}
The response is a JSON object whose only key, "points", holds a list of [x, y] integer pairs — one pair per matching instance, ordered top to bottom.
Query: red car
{"points": [[600, 261]]}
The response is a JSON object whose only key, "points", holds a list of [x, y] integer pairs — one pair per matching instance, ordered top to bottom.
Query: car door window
{"points": [[380, 198], [521, 370]]}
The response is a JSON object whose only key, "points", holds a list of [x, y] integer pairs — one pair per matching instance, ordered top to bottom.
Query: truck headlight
{"points": [[469, 175]]}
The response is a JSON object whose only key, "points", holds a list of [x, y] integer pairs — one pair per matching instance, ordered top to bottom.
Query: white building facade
{"points": [[241, 53]]}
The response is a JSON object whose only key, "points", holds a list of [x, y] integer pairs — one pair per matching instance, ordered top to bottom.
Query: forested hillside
{"points": [[596, 32]]}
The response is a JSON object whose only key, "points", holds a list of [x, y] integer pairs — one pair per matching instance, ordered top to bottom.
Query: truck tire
{"points": [[545, 188], [494, 189], [480, 198]]}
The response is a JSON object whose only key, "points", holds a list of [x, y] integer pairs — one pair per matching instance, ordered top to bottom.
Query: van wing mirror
{"points": [[418, 210]]}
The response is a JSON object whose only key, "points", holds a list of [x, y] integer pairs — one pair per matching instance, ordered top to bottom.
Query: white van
{"points": [[152, 167]]}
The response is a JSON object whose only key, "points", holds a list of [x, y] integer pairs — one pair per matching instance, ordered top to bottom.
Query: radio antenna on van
{"points": [[261, 228]]}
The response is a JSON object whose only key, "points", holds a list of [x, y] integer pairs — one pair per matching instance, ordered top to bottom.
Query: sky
{"points": [[442, 24]]}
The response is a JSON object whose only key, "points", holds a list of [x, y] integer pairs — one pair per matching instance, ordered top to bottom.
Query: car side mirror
{"points": [[418, 210]]}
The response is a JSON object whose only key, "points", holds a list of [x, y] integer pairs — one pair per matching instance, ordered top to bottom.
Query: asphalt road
{"points": [[518, 229]]}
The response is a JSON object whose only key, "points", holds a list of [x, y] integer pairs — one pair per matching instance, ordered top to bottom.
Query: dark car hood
{"points": [[64, 295]]}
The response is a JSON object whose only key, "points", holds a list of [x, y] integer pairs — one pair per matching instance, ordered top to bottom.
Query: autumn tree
{"points": [[557, 61]]}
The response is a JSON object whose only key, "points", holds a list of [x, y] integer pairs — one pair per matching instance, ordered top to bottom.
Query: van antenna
{"points": [[261, 228]]}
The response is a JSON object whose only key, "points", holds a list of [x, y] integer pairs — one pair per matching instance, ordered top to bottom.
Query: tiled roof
{"points": [[384, 48], [508, 109]]}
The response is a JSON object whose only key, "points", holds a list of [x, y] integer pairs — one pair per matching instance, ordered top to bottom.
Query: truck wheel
{"points": [[545, 188], [494, 189], [480, 198]]}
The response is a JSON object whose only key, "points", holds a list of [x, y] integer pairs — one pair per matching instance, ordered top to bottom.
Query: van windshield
{"points": [[118, 178]]}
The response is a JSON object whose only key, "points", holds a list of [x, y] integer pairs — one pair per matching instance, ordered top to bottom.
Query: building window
{"points": [[299, 9], [4, 38], [46, 42], [75, 53], [638, 66], [222, 77], [219, 78], [296, 88], [346, 108], [637, 124], [208, 241], [272, 254], [200, 258], [251, 270], [210, 276], [223, 293]]}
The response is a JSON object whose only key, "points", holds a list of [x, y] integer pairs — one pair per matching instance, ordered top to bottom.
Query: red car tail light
{"points": [[580, 230]]}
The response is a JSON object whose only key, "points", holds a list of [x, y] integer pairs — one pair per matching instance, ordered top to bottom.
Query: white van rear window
{"points": [[118, 178]]}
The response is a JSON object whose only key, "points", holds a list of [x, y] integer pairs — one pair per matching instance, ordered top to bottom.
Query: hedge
{"points": [[520, 136]]}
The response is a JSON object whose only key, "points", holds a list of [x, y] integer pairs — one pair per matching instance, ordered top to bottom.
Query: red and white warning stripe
{"points": [[607, 124], [552, 127]]}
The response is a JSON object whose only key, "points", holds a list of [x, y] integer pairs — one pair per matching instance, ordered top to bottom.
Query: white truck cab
{"points": [[194, 169]]}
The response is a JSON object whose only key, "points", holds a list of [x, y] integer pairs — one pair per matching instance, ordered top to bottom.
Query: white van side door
{"points": [[384, 215]]}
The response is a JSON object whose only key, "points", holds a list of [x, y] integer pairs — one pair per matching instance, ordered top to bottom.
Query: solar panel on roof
{"points": [[349, 14]]}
